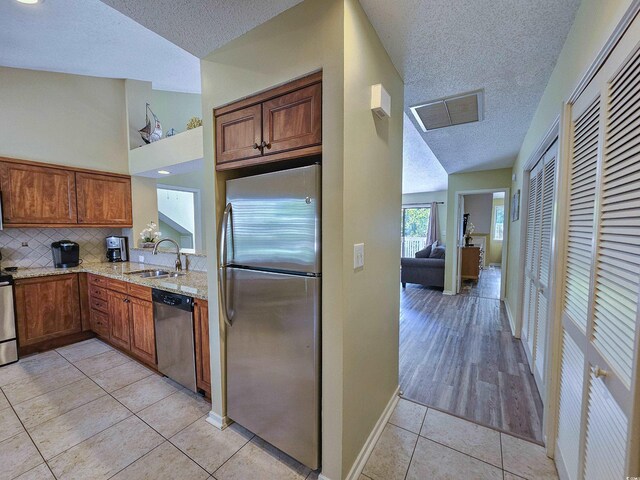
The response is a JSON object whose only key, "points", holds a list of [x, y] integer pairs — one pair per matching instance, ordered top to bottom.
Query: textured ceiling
{"points": [[201, 26], [86, 37], [445, 47], [421, 171]]}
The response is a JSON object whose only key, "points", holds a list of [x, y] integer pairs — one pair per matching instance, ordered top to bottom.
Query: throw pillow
{"points": [[437, 252], [424, 253]]}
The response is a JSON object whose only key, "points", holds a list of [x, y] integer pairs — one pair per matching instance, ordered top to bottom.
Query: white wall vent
{"points": [[445, 112]]}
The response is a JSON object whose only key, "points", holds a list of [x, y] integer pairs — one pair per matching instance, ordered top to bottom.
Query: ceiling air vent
{"points": [[445, 112]]}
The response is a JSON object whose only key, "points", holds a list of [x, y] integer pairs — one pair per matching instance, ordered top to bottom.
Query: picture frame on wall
{"points": [[515, 207]]}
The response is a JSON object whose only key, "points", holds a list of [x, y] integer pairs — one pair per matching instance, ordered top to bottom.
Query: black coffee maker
{"points": [[66, 254]]}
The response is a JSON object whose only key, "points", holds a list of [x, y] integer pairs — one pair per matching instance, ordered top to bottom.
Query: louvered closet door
{"points": [[540, 211], [531, 264], [602, 274]]}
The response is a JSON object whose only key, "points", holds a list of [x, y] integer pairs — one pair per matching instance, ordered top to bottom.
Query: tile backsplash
{"points": [[37, 252]]}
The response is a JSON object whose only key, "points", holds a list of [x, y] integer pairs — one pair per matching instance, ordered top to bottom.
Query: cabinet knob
{"points": [[264, 145], [256, 146]]}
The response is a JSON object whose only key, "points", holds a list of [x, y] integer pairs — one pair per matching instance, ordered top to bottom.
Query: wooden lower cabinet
{"points": [[470, 268], [47, 308], [122, 313], [100, 323], [201, 326], [119, 328], [143, 338]]}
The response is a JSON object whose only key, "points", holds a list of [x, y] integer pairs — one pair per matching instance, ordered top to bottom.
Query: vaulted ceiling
{"points": [[201, 26], [446, 47]]}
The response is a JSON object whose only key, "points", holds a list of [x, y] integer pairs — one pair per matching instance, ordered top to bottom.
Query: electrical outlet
{"points": [[358, 256], [141, 258]]}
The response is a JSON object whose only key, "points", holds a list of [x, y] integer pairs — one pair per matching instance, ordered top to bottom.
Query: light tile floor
{"points": [[88, 412], [420, 443]]}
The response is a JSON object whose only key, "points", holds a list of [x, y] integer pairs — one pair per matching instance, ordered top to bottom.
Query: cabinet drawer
{"points": [[98, 280], [117, 285], [139, 291], [97, 292], [99, 304], [100, 323]]}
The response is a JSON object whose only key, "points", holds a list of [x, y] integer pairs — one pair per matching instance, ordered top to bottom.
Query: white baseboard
{"points": [[448, 292], [512, 321], [218, 421], [367, 448], [561, 466]]}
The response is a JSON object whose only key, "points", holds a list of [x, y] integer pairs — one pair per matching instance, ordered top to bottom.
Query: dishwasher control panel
{"points": [[173, 299]]}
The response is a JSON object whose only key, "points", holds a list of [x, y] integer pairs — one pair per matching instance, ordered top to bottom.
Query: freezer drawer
{"points": [[275, 220], [273, 359]]}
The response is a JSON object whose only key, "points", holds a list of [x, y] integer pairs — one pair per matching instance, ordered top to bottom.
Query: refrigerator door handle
{"points": [[222, 275]]}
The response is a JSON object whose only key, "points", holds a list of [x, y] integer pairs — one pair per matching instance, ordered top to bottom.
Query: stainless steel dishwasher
{"points": [[173, 317]]}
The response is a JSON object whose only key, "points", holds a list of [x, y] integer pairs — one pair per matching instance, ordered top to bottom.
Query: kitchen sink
{"points": [[154, 273]]}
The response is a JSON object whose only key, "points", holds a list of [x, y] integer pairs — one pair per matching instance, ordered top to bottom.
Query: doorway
{"points": [[481, 243]]}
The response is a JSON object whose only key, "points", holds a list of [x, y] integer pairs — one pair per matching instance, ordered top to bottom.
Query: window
{"points": [[177, 215], [415, 222], [498, 224]]}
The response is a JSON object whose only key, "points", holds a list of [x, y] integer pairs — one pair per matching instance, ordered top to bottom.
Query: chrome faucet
{"points": [[178, 262]]}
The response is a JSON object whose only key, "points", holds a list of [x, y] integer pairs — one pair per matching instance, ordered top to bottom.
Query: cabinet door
{"points": [[293, 121], [239, 134], [35, 195], [104, 200], [47, 307], [119, 319], [100, 323], [143, 338], [203, 367]]}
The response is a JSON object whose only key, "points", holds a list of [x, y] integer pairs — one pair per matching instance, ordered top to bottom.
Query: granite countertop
{"points": [[193, 284]]}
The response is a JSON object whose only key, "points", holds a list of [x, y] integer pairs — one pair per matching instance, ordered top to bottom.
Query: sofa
{"points": [[425, 269]]}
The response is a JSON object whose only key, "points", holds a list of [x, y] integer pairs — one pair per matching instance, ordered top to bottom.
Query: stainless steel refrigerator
{"points": [[270, 281]]}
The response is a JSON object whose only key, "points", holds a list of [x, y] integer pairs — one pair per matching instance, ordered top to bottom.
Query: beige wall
{"points": [[594, 23], [301, 40], [174, 109], [63, 119], [460, 182], [426, 198], [372, 199], [144, 200], [478, 207]]}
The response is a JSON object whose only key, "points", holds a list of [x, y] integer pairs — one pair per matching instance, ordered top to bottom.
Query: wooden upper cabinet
{"points": [[293, 121], [280, 124], [239, 134], [33, 195], [103, 199], [118, 304], [47, 307], [201, 326], [143, 339]]}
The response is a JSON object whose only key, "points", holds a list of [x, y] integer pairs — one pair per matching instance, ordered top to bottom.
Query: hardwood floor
{"points": [[487, 286], [457, 354]]}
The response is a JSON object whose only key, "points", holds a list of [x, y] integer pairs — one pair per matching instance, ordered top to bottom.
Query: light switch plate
{"points": [[358, 256]]}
